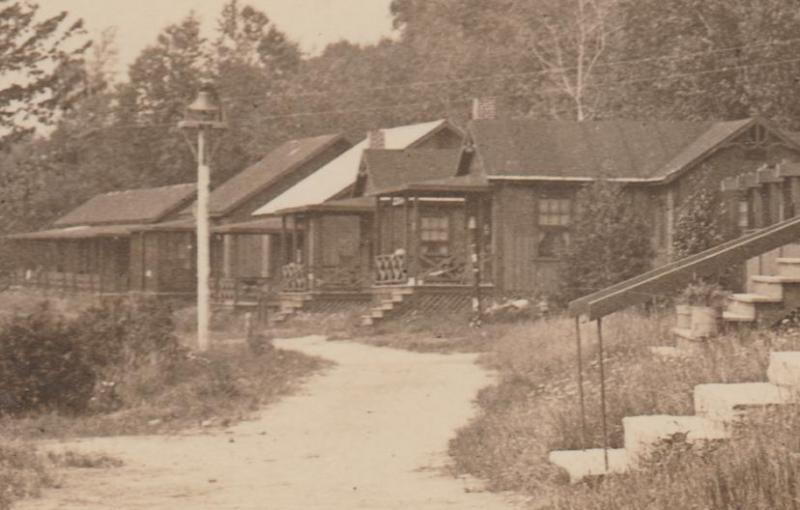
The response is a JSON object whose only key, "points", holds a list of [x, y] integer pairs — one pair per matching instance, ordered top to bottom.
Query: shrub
{"points": [[700, 221], [609, 241], [48, 363], [42, 367], [22, 473]]}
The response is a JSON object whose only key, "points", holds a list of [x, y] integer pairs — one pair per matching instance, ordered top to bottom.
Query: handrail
{"points": [[681, 272]]}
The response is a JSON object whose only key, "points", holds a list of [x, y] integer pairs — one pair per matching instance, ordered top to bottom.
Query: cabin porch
{"points": [[433, 248], [72, 261]]}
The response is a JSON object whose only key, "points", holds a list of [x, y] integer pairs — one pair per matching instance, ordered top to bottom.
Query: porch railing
{"points": [[391, 269], [444, 269], [676, 274], [344, 276], [294, 277], [66, 282]]}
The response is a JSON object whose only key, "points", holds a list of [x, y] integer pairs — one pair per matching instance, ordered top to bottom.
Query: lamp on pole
{"points": [[203, 116]]}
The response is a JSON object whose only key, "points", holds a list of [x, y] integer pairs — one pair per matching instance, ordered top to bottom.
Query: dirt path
{"points": [[370, 433]]}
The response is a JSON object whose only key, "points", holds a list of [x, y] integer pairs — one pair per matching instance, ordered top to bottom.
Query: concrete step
{"points": [[789, 267], [774, 279], [766, 286], [747, 304], [734, 317], [685, 333], [784, 369], [726, 402], [642, 433], [580, 464]]}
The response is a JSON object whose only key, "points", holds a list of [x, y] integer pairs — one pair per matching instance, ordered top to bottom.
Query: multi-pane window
{"points": [[554, 212], [743, 215], [554, 216], [435, 233]]}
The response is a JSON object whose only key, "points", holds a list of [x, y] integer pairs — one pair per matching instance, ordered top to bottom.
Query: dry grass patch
{"points": [[534, 409]]}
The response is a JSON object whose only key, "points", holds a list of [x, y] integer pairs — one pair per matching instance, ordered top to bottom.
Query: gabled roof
{"points": [[620, 149], [278, 163], [385, 169], [338, 175], [146, 205]]}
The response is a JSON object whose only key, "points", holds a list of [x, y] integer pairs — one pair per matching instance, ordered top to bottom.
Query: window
{"points": [[554, 212], [743, 215], [554, 216], [435, 234]]}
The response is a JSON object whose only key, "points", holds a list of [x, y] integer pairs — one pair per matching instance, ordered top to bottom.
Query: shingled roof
{"points": [[615, 148], [279, 162], [387, 169], [340, 174], [146, 205]]}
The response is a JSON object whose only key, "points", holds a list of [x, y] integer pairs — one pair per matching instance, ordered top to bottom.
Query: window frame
{"points": [[559, 211]]}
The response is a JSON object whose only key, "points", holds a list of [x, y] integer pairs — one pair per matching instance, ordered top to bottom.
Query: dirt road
{"points": [[369, 433]]}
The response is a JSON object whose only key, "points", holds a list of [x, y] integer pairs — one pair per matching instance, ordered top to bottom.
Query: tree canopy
{"points": [[567, 59]]}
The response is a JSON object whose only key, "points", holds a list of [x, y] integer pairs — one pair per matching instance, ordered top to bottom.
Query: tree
{"points": [[571, 40], [709, 59], [40, 63], [164, 78], [609, 241]]}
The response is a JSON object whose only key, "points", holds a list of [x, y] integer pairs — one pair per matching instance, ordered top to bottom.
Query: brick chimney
{"points": [[484, 108], [376, 139]]}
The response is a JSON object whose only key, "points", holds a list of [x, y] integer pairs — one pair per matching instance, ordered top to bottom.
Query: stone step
{"points": [[789, 267], [766, 286], [747, 304], [386, 307], [376, 313], [734, 317], [366, 320], [685, 333], [784, 369], [726, 402], [642, 433], [580, 464]]}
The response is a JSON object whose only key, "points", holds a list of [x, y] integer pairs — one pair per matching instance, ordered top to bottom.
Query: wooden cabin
{"points": [[527, 172], [96, 248], [329, 249], [244, 258]]}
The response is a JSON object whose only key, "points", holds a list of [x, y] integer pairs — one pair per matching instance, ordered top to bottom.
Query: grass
{"points": [[220, 387], [534, 407], [23, 473]]}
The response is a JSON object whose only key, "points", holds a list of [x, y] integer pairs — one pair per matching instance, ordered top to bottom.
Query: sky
{"points": [[312, 23]]}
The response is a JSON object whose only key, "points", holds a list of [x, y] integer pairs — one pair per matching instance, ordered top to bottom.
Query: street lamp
{"points": [[203, 116]]}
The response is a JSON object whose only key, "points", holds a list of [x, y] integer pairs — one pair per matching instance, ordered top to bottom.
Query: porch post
{"points": [[392, 225], [406, 225], [378, 227], [284, 241], [293, 256], [413, 258]]}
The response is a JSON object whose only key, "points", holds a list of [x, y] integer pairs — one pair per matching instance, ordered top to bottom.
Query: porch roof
{"points": [[447, 186], [347, 205], [269, 225], [170, 226], [77, 232]]}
